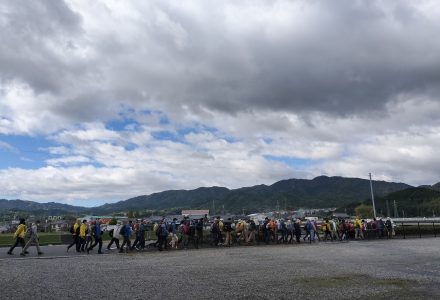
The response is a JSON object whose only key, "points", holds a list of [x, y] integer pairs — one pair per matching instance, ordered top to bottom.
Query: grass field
{"points": [[45, 238]]}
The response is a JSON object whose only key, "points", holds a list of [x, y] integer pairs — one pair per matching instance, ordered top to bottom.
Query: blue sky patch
{"points": [[165, 135], [28, 152], [291, 161]]}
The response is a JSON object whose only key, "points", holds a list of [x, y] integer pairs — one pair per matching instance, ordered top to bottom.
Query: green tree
{"points": [[364, 211]]}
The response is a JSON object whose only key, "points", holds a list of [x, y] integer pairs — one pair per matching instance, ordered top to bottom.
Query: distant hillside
{"points": [[436, 186], [320, 192], [292, 193], [198, 198], [415, 201], [50, 208]]}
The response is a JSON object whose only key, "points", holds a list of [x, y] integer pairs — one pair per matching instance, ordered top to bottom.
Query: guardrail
{"points": [[418, 228]]}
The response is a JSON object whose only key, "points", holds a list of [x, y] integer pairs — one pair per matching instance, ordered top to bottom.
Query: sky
{"points": [[101, 101]]}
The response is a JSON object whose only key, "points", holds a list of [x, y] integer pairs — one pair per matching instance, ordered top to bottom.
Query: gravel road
{"points": [[393, 269]]}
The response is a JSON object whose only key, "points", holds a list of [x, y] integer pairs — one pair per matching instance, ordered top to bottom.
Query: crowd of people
{"points": [[289, 231], [131, 235]]}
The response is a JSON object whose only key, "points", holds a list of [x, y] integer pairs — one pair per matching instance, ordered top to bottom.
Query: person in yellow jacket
{"points": [[358, 229], [75, 235], [82, 235], [19, 236]]}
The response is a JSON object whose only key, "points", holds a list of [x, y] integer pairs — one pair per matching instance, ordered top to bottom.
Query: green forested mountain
{"points": [[436, 186], [320, 192], [177, 199], [411, 202], [23, 207]]}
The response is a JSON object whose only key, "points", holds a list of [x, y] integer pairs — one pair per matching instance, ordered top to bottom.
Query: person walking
{"points": [[227, 228], [252, 228], [311, 228], [142, 229], [358, 229], [185, 230], [266, 230], [297, 230], [327, 230], [126, 231], [199, 231], [173, 232], [215, 232], [97, 233], [114, 233], [75, 235], [83, 235], [136, 235], [162, 235], [19, 236], [33, 238], [89, 238]]}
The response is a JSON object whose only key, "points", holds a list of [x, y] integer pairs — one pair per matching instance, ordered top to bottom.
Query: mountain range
{"points": [[320, 192]]}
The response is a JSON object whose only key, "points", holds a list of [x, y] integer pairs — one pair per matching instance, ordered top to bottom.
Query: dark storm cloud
{"points": [[30, 32], [344, 57], [357, 57]]}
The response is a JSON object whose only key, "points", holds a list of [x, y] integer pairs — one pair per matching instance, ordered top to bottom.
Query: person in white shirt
{"points": [[33, 238]]}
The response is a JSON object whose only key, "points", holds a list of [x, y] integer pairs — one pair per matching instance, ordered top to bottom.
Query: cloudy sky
{"points": [[105, 100]]}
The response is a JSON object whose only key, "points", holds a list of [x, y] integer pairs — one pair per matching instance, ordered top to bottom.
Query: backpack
{"points": [[199, 225], [252, 226], [309, 226], [228, 227], [239, 227], [342, 227], [156, 228], [214, 228], [72, 229], [185, 229], [122, 230], [163, 230]]}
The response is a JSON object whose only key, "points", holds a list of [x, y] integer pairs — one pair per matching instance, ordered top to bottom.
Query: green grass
{"points": [[45, 238]]}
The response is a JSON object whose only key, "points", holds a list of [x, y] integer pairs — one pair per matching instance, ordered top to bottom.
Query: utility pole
{"points": [[372, 197], [213, 207], [278, 208], [388, 210], [396, 214]]}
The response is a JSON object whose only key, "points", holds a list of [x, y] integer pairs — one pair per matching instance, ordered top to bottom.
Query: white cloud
{"points": [[350, 88]]}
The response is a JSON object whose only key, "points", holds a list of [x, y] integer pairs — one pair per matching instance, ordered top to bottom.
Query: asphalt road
{"points": [[393, 269]]}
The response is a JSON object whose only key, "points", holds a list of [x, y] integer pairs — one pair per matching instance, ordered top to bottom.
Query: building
{"points": [[196, 214], [102, 219]]}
